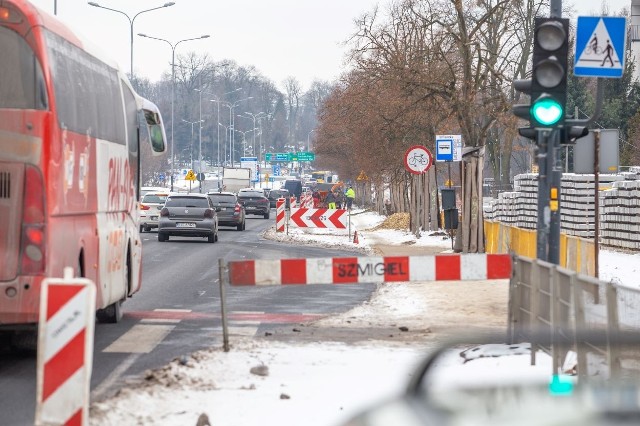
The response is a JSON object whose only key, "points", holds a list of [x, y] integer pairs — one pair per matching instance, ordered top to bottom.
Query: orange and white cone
{"points": [[355, 237]]}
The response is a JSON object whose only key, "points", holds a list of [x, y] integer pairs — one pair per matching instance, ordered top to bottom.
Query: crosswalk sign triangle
{"points": [[600, 47], [190, 175]]}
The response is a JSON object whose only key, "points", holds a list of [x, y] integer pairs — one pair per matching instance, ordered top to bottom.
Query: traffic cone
{"points": [[355, 237]]}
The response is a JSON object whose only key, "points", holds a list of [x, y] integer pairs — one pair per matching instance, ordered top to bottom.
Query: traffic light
{"points": [[549, 72], [547, 86], [572, 132]]}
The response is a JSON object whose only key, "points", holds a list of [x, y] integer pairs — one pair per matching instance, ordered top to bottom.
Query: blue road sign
{"points": [[600, 46], [444, 149], [276, 169]]}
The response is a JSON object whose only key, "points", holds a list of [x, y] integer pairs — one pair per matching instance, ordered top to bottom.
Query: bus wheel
{"points": [[113, 313], [25, 341]]}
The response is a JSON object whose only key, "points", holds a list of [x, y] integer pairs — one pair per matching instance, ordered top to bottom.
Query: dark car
{"points": [[274, 194], [254, 202], [230, 211], [188, 215]]}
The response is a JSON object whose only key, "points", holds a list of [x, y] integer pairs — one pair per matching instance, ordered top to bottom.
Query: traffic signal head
{"points": [[549, 72]]}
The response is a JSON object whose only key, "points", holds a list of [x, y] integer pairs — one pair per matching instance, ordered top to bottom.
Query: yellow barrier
{"points": [[577, 254]]}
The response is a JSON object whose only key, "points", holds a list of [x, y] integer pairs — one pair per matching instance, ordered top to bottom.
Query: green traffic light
{"points": [[547, 111]]}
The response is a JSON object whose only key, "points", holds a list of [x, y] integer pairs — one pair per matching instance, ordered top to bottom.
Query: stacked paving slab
{"points": [[619, 200]]}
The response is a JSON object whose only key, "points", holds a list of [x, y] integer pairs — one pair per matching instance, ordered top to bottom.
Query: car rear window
{"points": [[250, 194], [278, 194], [154, 198], [218, 198], [187, 202]]}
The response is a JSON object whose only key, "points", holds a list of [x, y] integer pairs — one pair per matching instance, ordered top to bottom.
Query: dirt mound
{"points": [[395, 221]]}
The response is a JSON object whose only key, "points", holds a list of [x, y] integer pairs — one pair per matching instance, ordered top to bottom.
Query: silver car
{"points": [[188, 215]]}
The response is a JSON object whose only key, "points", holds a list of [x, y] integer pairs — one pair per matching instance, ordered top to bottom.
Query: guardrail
{"points": [[551, 299]]}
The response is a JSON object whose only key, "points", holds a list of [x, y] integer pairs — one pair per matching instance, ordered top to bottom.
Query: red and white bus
{"points": [[71, 129]]}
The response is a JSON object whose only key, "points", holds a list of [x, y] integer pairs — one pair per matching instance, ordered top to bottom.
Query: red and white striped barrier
{"points": [[306, 200], [293, 202], [280, 216], [319, 218], [352, 270], [65, 350]]}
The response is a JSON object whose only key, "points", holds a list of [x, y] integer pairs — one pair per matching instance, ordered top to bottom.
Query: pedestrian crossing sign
{"points": [[600, 46]]}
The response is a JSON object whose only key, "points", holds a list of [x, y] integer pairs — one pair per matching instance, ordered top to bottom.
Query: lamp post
{"points": [[131, 20], [173, 84], [218, 102], [254, 116], [192, 123], [232, 123], [226, 130], [309, 134], [244, 138]]}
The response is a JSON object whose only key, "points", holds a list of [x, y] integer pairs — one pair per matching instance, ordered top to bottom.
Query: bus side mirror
{"points": [[157, 140]]}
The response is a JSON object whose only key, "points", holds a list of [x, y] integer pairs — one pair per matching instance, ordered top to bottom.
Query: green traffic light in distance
{"points": [[547, 111]]}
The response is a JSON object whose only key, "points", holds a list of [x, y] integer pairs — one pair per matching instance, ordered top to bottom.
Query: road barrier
{"points": [[280, 215], [319, 218], [353, 270], [65, 350]]}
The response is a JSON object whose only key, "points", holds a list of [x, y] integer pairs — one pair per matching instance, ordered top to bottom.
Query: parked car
{"points": [[274, 194], [254, 202], [150, 206], [230, 211], [188, 215]]}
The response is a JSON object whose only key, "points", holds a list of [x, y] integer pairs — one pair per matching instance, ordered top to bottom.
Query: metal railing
{"points": [[560, 304]]}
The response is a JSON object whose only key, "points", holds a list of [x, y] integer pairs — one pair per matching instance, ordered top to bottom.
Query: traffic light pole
{"points": [[555, 166], [544, 219]]}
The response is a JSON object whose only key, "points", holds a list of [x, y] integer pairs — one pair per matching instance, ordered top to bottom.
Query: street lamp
{"points": [[94, 4], [173, 84], [218, 102], [254, 116], [232, 122], [192, 123], [226, 133], [309, 134], [244, 138]]}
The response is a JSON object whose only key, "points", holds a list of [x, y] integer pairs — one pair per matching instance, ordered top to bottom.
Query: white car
{"points": [[150, 206]]}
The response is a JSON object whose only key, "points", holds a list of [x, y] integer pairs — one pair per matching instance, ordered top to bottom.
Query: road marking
{"points": [[172, 310], [159, 321], [140, 339], [98, 392]]}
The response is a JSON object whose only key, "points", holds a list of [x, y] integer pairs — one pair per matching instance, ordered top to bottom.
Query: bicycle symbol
{"points": [[590, 49], [418, 159]]}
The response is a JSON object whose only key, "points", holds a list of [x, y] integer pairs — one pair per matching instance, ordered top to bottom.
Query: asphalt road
{"points": [[178, 309]]}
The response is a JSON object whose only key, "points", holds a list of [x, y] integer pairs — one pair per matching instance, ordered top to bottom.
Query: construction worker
{"points": [[351, 195], [330, 199]]}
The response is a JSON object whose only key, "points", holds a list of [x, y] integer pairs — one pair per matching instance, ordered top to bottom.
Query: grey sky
{"points": [[281, 38]]}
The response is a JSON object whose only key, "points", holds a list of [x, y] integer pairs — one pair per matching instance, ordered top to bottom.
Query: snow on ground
{"points": [[303, 382]]}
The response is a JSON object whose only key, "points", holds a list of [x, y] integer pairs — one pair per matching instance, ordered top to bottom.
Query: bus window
{"points": [[22, 85]]}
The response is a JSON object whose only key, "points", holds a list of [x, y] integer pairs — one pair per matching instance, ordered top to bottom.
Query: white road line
{"points": [[159, 321], [140, 339], [98, 392]]}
